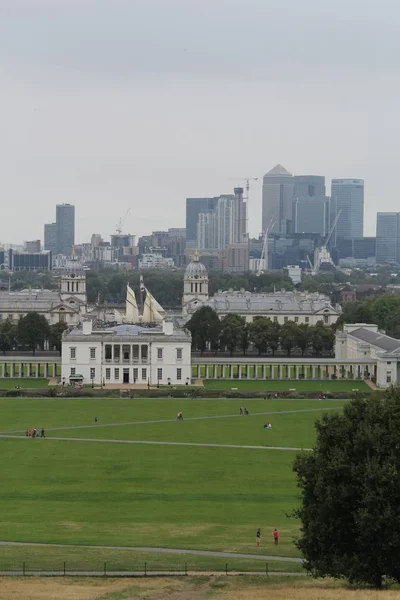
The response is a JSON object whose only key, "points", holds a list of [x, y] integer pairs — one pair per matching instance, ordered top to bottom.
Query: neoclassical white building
{"points": [[67, 305], [281, 306], [362, 340], [146, 349], [127, 354]]}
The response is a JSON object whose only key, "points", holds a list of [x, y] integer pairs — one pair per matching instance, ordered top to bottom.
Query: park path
{"points": [[203, 418], [156, 443], [151, 550]]}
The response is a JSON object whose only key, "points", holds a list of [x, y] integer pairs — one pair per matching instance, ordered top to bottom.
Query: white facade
{"points": [[155, 261], [294, 273], [195, 284], [361, 340], [127, 354]]}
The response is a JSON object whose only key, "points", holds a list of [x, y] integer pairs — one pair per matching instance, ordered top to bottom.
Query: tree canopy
{"points": [[384, 311], [350, 492]]}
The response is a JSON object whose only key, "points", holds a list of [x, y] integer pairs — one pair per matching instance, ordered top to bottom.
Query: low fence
{"points": [[117, 569]]}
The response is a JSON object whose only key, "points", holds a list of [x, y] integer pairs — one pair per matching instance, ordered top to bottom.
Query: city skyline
{"points": [[145, 115]]}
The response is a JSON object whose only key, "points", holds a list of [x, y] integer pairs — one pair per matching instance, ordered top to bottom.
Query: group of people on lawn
{"points": [[35, 433], [275, 535]]}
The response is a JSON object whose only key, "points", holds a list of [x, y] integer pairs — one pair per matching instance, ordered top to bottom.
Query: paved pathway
{"points": [[97, 425], [155, 443], [150, 550]]}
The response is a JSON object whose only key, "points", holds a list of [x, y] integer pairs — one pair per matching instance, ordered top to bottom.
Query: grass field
{"points": [[25, 383], [285, 385], [111, 492], [187, 588]]}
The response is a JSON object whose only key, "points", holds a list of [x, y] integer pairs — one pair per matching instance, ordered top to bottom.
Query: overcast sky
{"points": [[117, 104]]}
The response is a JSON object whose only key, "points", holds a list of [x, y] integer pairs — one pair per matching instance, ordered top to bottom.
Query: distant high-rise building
{"points": [[309, 186], [348, 197], [277, 200], [195, 206], [311, 215], [65, 220], [50, 237], [388, 237], [33, 246]]}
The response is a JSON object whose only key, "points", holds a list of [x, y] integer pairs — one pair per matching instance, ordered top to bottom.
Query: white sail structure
{"points": [[131, 307], [152, 310]]}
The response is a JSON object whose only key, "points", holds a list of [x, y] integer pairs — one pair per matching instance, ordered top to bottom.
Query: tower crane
{"points": [[118, 227], [322, 255], [263, 264]]}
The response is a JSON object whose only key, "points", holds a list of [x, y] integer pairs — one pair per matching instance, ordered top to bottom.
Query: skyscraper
{"points": [[309, 186], [348, 196], [277, 200], [195, 206], [311, 206], [65, 220], [224, 225], [50, 237], [387, 237]]}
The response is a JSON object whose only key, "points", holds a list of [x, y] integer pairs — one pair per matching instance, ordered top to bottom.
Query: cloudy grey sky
{"points": [[111, 104]]}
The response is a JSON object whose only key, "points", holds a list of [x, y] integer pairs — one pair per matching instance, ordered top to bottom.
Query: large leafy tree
{"points": [[205, 328], [233, 329], [32, 331], [258, 333], [8, 335], [55, 335], [289, 337], [303, 337], [350, 492]]}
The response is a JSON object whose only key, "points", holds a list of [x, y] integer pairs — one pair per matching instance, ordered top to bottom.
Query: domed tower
{"points": [[195, 283]]}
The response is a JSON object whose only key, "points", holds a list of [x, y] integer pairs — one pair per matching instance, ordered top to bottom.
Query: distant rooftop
{"points": [[279, 170], [380, 340]]}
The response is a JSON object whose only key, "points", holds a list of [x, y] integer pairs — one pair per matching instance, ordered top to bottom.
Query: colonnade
{"points": [[19, 369]]}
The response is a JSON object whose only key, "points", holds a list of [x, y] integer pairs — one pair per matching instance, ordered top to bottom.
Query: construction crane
{"points": [[246, 197], [119, 225], [322, 255], [263, 264]]}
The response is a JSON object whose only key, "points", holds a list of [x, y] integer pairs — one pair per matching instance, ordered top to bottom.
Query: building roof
{"points": [[279, 170], [195, 267], [27, 300], [285, 302], [112, 332], [380, 340]]}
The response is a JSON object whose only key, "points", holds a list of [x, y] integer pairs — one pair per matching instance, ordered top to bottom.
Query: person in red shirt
{"points": [[276, 536]]}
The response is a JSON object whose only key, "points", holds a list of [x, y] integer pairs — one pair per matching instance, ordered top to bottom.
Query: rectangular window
{"points": [[275, 319], [285, 319], [296, 319], [307, 319], [326, 319], [108, 352], [117, 352], [135, 352], [72, 353], [92, 353], [144, 353], [159, 353], [179, 354], [73, 371], [92, 373], [108, 373], [116, 374], [135, 374], [144, 374], [159, 374], [179, 374], [388, 378]]}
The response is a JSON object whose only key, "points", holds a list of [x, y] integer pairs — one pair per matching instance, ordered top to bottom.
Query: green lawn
{"points": [[24, 383], [299, 385], [122, 494]]}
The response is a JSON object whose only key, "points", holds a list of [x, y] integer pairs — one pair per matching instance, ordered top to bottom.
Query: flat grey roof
{"points": [[380, 340]]}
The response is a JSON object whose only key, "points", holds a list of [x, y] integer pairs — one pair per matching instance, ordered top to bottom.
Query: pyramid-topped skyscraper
{"points": [[277, 202]]}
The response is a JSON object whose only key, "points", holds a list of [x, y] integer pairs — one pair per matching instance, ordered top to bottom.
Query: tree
{"points": [[205, 327], [232, 329], [32, 331], [8, 334], [258, 334], [55, 335], [289, 336], [274, 337], [303, 337], [244, 338], [350, 492]]}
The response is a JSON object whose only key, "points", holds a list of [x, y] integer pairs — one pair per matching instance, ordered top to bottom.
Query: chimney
{"points": [[87, 327], [168, 327]]}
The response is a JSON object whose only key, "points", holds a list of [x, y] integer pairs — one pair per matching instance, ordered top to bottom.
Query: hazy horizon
{"points": [[117, 104]]}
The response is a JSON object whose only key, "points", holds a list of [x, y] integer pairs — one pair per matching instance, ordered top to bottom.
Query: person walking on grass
{"points": [[258, 537], [276, 537]]}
